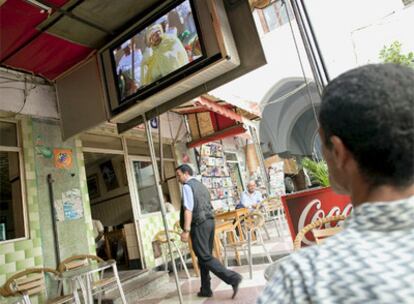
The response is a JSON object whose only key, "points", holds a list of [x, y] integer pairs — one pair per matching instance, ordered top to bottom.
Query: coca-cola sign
{"points": [[303, 208]]}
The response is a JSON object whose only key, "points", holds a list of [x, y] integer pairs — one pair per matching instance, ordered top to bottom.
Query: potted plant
{"points": [[318, 171]]}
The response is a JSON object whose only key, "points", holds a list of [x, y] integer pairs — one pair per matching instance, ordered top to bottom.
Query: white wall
{"points": [[335, 21], [350, 33], [369, 40], [282, 62], [40, 101]]}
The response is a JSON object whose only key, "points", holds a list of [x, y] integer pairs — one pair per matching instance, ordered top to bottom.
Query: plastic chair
{"points": [[319, 234], [161, 237], [32, 282], [99, 285]]}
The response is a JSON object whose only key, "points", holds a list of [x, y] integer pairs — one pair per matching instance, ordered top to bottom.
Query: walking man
{"points": [[197, 222]]}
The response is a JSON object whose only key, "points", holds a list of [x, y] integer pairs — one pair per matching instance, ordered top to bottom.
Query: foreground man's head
{"points": [[367, 131]]}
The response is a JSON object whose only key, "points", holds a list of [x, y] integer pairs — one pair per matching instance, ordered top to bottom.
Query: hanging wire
{"points": [[301, 64], [26, 92], [287, 95]]}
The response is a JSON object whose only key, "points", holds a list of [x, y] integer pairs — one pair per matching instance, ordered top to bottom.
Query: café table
{"points": [[236, 214], [83, 276]]}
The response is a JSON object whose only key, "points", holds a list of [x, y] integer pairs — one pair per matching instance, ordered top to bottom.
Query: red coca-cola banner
{"points": [[305, 207]]}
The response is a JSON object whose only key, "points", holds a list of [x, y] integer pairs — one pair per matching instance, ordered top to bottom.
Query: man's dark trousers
{"points": [[202, 238]]}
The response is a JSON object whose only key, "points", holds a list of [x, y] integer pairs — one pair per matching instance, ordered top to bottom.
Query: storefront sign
{"points": [[303, 208]]}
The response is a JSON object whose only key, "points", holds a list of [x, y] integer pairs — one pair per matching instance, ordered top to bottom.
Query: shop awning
{"points": [[48, 37], [209, 121], [231, 131]]}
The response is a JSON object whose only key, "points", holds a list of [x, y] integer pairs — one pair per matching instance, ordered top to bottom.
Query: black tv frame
{"points": [[167, 80]]}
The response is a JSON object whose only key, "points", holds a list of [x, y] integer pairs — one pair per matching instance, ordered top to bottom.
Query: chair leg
{"points": [[267, 232], [249, 246], [264, 247], [164, 258], [182, 260], [226, 262], [118, 282], [100, 296], [76, 297], [26, 299]]}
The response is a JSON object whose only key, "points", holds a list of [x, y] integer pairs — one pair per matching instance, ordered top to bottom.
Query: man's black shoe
{"points": [[236, 287], [205, 294]]}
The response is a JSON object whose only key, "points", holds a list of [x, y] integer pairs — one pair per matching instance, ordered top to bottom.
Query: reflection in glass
{"points": [[147, 189], [11, 205]]}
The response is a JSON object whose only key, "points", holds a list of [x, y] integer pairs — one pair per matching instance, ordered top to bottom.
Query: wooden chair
{"points": [[319, 234], [116, 237], [161, 237], [32, 282], [99, 285]]}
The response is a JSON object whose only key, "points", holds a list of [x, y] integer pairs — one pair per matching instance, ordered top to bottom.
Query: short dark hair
{"points": [[371, 109], [185, 169]]}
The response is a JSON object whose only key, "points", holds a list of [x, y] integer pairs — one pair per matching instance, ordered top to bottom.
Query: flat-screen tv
{"points": [[168, 46]]}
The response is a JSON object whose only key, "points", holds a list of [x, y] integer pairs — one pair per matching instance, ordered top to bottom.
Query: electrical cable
{"points": [[301, 66], [26, 92]]}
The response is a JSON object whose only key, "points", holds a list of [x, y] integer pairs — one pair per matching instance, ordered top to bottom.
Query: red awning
{"points": [[48, 37], [24, 46], [219, 109], [211, 121], [231, 131]]}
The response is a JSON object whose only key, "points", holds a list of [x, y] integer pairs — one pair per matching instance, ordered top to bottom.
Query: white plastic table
{"points": [[83, 275]]}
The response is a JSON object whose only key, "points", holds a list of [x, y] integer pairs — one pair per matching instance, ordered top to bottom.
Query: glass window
{"points": [[275, 15], [8, 134], [147, 189], [12, 217]]}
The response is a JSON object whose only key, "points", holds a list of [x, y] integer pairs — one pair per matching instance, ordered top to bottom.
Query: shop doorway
{"points": [[111, 209]]}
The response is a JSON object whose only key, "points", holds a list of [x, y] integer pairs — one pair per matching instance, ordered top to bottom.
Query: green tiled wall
{"points": [[85, 198], [149, 227], [75, 236], [17, 256]]}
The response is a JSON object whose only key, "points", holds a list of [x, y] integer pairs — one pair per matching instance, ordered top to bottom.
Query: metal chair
{"points": [[273, 211], [252, 224], [319, 234], [161, 237], [188, 247], [32, 282], [100, 285]]}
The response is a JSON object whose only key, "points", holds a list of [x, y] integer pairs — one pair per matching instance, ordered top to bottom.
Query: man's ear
{"points": [[339, 152]]}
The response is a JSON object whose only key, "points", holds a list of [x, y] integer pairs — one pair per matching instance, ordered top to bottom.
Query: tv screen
{"points": [[162, 47]]}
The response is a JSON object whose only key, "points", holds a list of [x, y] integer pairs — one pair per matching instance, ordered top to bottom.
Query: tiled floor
{"points": [[249, 289]]}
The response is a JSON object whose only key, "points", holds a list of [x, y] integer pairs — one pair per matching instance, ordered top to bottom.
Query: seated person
{"points": [[367, 135], [250, 198], [168, 206], [98, 234]]}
